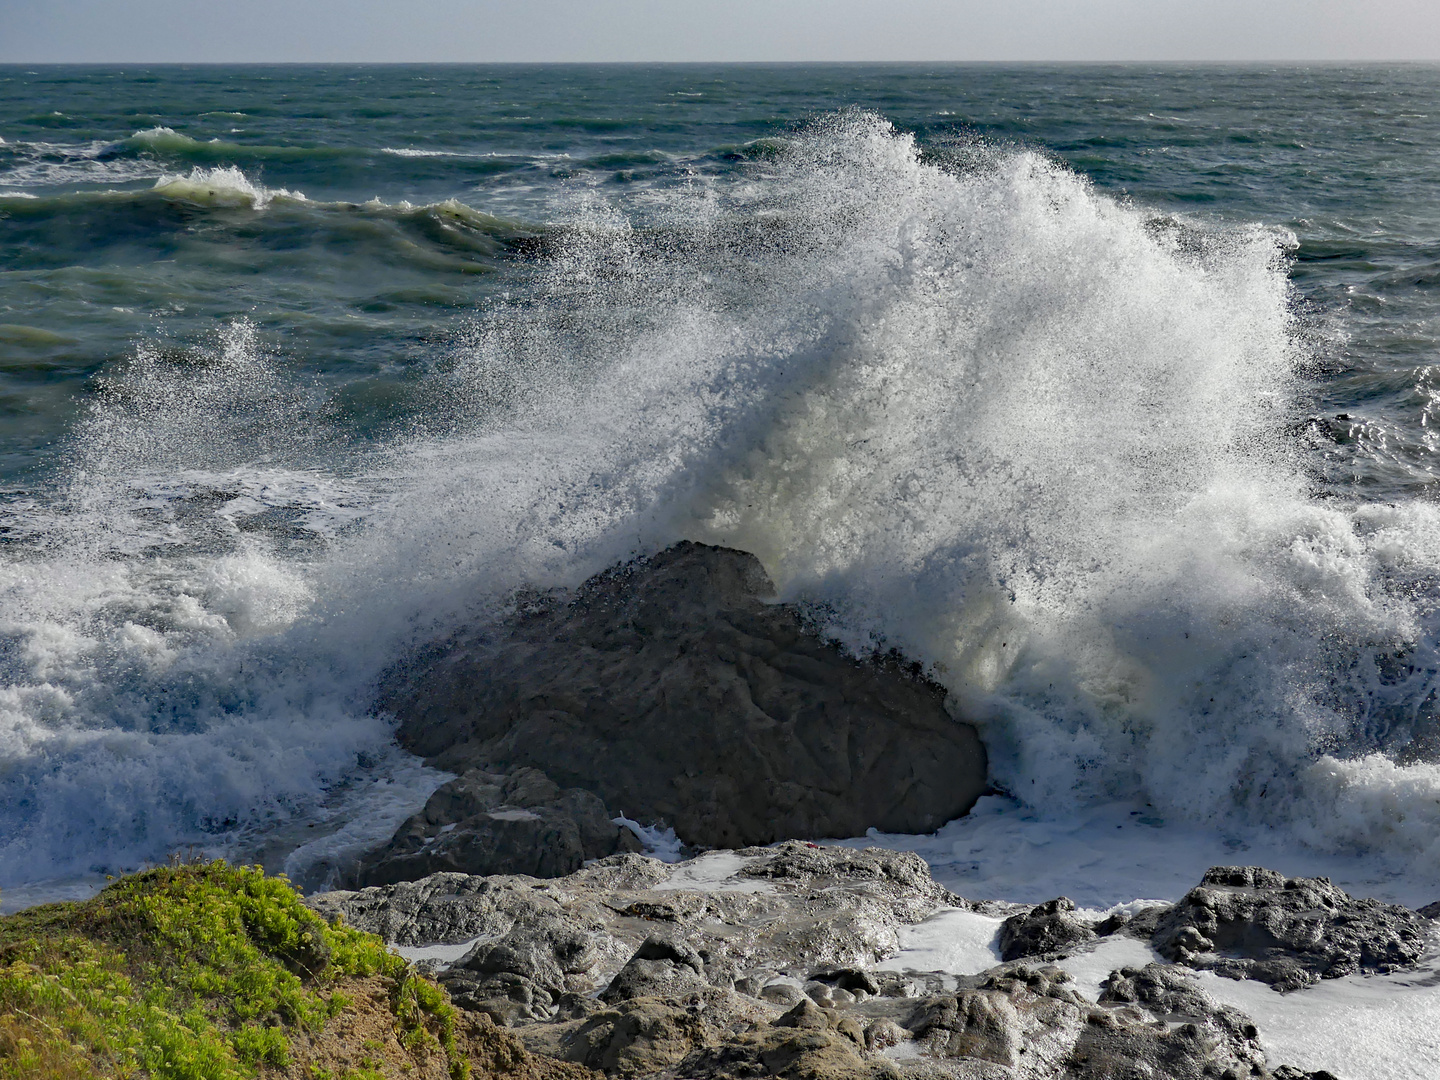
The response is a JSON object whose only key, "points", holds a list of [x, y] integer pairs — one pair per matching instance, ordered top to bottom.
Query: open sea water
{"points": [[1109, 393]]}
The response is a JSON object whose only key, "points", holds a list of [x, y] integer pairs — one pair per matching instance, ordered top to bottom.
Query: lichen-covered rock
{"points": [[677, 691], [1246, 922], [1047, 929], [529, 967], [661, 967], [1024, 1015], [640, 1037], [806, 1043]]}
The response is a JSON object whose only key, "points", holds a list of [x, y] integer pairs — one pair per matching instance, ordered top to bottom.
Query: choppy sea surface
{"points": [[1109, 393]]}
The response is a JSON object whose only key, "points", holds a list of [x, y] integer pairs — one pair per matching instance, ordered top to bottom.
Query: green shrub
{"points": [[199, 972]]}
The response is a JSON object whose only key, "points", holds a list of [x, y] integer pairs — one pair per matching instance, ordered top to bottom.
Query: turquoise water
{"points": [[1134, 367]]}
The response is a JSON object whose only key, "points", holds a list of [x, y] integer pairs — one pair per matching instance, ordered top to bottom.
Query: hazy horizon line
{"points": [[1277, 62]]}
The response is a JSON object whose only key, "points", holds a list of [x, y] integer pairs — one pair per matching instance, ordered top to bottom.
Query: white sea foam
{"points": [[44, 163], [1029, 435], [659, 843], [716, 871], [953, 941], [1385, 1027]]}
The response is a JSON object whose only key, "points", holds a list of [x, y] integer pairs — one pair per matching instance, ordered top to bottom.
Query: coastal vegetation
{"points": [[212, 972]]}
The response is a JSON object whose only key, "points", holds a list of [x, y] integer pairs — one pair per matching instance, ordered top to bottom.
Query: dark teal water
{"points": [[364, 291], [1109, 393]]}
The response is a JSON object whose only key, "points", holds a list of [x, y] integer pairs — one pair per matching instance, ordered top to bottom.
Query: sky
{"points": [[200, 31]]}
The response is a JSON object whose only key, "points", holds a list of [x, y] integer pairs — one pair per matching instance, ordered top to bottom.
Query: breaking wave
{"points": [[225, 186], [969, 408]]}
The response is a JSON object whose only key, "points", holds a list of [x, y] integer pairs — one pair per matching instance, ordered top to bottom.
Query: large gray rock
{"points": [[674, 689], [488, 822], [759, 913], [1246, 922]]}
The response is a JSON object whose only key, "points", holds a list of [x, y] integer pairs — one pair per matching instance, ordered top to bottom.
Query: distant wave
{"points": [[167, 142], [225, 190]]}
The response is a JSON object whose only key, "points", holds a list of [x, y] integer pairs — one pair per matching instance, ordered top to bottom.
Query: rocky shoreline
{"points": [[676, 691], [788, 961]]}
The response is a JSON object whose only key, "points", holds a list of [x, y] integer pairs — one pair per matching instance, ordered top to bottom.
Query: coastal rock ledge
{"points": [[677, 691], [791, 961]]}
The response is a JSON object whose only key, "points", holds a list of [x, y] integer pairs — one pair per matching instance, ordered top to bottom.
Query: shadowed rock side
{"points": [[672, 689], [768, 962]]}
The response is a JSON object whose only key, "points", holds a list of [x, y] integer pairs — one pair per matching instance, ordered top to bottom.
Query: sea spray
{"points": [[969, 408], [1030, 435], [164, 681]]}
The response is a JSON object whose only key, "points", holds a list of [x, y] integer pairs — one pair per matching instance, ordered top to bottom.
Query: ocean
{"points": [[1109, 393]]}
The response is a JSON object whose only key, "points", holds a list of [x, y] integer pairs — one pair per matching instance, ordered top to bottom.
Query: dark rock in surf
{"points": [[674, 689], [486, 822], [1430, 911], [1246, 922], [1139, 924], [1048, 929], [1173, 996]]}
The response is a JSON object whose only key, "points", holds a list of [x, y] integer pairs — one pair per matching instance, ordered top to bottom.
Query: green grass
{"points": [[199, 972]]}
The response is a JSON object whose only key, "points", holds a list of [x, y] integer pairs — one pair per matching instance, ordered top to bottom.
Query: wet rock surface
{"points": [[676, 691], [497, 822], [1246, 922], [1049, 928], [772, 962]]}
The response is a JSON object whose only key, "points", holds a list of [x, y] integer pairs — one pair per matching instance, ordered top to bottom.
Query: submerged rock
{"points": [[678, 692], [1246, 922]]}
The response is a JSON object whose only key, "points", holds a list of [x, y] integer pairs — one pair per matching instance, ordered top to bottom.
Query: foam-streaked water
{"points": [[1104, 392]]}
